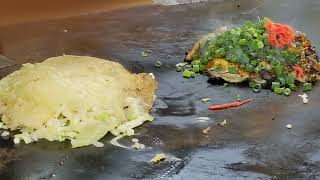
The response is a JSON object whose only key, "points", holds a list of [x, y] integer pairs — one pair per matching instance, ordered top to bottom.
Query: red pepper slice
{"points": [[228, 105]]}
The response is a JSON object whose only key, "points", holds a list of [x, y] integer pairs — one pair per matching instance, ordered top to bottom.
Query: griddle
{"points": [[255, 143]]}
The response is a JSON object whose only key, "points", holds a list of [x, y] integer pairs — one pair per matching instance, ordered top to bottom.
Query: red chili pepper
{"points": [[299, 71], [228, 105]]}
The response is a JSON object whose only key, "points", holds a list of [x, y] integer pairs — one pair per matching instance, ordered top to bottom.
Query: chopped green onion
{"points": [[251, 30], [242, 42], [259, 44], [220, 52], [144, 54], [253, 54], [233, 60], [197, 62], [254, 62], [274, 62], [157, 63], [181, 64], [262, 65], [202, 67], [249, 67], [179, 68], [196, 68], [257, 69], [277, 69], [232, 70], [187, 74], [193, 74], [289, 78], [282, 81], [251, 84], [275, 85], [307, 86], [293, 87], [257, 88], [278, 90], [287, 91], [206, 99]]}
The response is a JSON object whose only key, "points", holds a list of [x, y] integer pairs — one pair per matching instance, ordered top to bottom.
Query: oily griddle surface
{"points": [[255, 144]]}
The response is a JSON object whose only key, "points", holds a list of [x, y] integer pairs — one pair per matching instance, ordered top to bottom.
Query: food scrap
{"points": [[144, 54], [264, 54], [158, 64], [180, 66], [188, 74], [238, 98], [304, 98], [205, 99], [228, 105], [202, 119], [223, 123], [289, 126], [206, 130], [135, 140], [137, 145], [158, 157]]}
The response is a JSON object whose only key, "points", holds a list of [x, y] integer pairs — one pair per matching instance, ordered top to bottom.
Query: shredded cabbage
{"points": [[74, 98]]}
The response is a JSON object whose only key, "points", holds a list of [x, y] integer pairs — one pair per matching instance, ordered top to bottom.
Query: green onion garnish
{"points": [[242, 42], [259, 44], [144, 54], [197, 62], [254, 62], [157, 63], [262, 65], [202, 67], [249, 67], [179, 68], [195, 68], [257, 69], [232, 70], [277, 70], [187, 74], [193, 74], [289, 78], [282, 81], [251, 84], [275, 85], [307, 86], [256, 87], [293, 87], [278, 90], [287, 91], [205, 99]]}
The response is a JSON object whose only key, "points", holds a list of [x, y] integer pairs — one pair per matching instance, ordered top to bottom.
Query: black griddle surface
{"points": [[255, 144]]}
